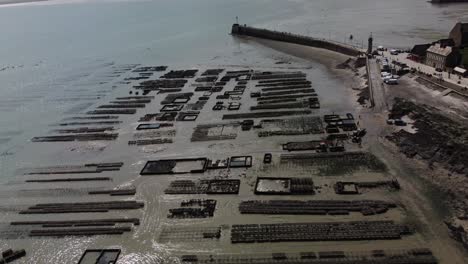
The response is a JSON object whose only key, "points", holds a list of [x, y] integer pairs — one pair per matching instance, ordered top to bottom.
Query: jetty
{"points": [[244, 30]]}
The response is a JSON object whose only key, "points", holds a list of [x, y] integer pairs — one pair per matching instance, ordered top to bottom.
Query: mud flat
{"points": [[438, 139], [440, 142], [201, 190]]}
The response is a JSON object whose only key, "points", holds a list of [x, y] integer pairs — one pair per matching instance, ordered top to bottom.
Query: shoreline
{"points": [[18, 2]]}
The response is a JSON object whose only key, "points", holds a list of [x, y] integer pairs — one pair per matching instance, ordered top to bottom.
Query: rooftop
{"points": [[438, 49]]}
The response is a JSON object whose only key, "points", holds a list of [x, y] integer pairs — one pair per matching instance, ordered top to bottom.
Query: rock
{"points": [[438, 138], [457, 232]]}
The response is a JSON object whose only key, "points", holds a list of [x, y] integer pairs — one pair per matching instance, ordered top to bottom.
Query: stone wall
{"points": [[296, 39]]}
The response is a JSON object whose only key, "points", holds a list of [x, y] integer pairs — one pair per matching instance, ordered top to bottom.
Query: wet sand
{"points": [[142, 245]]}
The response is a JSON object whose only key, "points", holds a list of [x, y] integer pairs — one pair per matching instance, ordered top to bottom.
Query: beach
{"points": [[62, 68]]}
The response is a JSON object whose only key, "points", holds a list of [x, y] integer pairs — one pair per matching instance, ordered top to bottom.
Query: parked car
{"points": [[380, 48], [394, 52], [438, 69], [404, 70], [383, 74], [387, 77], [391, 81], [390, 121], [399, 122], [267, 158]]}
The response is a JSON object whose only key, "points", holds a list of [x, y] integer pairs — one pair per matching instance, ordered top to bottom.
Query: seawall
{"points": [[448, 1], [296, 39], [369, 83]]}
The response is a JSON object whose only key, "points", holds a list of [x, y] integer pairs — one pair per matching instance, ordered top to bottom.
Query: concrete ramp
{"points": [[446, 92]]}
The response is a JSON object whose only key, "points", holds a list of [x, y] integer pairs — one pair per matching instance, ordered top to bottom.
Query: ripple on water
{"points": [[59, 250], [143, 258]]}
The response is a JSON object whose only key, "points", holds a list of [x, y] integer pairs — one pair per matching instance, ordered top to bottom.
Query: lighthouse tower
{"points": [[369, 44]]}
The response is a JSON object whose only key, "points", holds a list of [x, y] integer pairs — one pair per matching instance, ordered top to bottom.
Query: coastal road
{"points": [[449, 80], [378, 92]]}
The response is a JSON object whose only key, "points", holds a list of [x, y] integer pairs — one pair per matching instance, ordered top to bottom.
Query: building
{"points": [[459, 34], [445, 42], [418, 52], [441, 56], [460, 71]]}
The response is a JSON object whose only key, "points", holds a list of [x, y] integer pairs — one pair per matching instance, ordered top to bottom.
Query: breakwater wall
{"points": [[448, 1], [296, 39], [369, 83]]}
